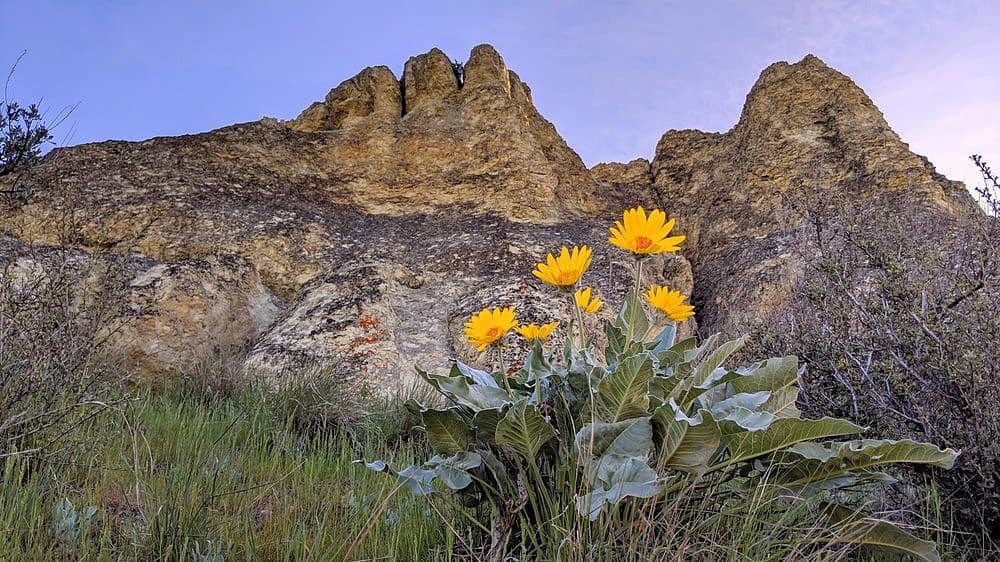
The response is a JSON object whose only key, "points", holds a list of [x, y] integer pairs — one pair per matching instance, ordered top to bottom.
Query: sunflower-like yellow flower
{"points": [[641, 234], [565, 270], [586, 302], [670, 302], [488, 326], [533, 332]]}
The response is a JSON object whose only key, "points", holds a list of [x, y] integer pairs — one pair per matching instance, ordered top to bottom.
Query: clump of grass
{"points": [[174, 470]]}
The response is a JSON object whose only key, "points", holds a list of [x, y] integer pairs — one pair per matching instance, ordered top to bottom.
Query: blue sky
{"points": [[611, 75]]}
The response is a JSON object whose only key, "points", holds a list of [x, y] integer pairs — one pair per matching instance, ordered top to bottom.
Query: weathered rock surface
{"points": [[808, 138], [386, 213], [159, 317]]}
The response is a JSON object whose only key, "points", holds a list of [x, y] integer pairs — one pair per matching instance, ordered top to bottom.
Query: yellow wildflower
{"points": [[641, 234], [565, 270], [586, 302], [670, 302], [488, 326], [535, 332]]}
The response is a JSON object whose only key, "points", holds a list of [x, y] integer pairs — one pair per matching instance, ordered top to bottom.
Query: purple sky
{"points": [[611, 75]]}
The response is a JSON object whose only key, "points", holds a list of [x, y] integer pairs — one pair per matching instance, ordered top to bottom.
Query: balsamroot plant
{"points": [[614, 430]]}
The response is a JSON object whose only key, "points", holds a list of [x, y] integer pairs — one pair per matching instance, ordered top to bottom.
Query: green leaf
{"points": [[632, 314], [664, 340], [616, 345], [537, 364], [706, 368], [474, 375], [779, 376], [660, 390], [624, 393], [475, 396], [746, 400], [485, 422], [524, 430], [447, 431], [783, 432], [629, 438], [689, 442], [818, 461], [453, 471], [632, 478], [417, 481], [853, 528]]}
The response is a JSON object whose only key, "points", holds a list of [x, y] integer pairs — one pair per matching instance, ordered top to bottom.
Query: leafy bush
{"points": [[903, 334], [565, 456]]}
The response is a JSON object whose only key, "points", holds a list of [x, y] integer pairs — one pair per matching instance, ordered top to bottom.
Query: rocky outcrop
{"points": [[373, 90], [808, 138], [386, 213], [158, 317]]}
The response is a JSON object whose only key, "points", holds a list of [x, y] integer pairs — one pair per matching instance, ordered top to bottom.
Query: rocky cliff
{"points": [[364, 231]]}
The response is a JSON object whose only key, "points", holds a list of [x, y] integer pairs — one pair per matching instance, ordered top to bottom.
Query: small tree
{"points": [[23, 131]]}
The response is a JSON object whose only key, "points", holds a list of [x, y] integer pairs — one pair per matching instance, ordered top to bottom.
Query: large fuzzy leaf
{"points": [[632, 314], [663, 340], [680, 352], [714, 360], [538, 364], [707, 371], [473, 374], [779, 376], [624, 393], [475, 396], [485, 422], [447, 430], [524, 430], [782, 432], [629, 438], [689, 443], [817, 462], [453, 471], [632, 478], [418, 481], [854, 528]]}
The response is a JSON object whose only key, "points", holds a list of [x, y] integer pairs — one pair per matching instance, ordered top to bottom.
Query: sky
{"points": [[611, 75]]}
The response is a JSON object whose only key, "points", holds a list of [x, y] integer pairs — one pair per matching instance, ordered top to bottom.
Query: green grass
{"points": [[172, 470], [264, 476]]}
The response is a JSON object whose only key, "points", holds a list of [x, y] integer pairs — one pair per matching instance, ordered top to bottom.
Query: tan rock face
{"points": [[428, 79], [373, 90], [808, 138], [388, 212], [184, 312], [159, 317]]}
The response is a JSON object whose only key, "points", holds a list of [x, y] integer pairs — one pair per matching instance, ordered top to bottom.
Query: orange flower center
{"points": [[641, 242], [567, 277], [493, 332]]}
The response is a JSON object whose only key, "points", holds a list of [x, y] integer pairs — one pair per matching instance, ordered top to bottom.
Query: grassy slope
{"points": [[177, 468], [228, 471]]}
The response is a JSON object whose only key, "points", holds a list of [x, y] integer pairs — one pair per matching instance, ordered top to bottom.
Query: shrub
{"points": [[905, 337], [54, 368], [574, 453]]}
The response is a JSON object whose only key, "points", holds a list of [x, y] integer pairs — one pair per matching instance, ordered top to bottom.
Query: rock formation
{"points": [[365, 230]]}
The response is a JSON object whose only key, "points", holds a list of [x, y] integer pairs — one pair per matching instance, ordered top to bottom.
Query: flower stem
{"points": [[635, 300], [578, 320], [503, 368]]}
